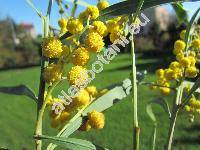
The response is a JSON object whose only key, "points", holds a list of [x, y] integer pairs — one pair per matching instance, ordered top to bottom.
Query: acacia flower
{"points": [[102, 5], [74, 26], [99, 27], [94, 42], [52, 47], [80, 56], [52, 73], [77, 75], [96, 119]]}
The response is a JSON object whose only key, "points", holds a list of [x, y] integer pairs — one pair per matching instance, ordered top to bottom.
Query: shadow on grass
{"points": [[150, 67], [187, 140]]}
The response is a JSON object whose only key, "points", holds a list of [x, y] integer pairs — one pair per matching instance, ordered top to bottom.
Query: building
{"points": [[159, 15], [29, 29]]}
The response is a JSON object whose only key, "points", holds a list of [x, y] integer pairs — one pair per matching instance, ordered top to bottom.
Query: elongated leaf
{"points": [[81, 3], [129, 7], [34, 8], [181, 13], [188, 30], [19, 90], [107, 100], [102, 103], [162, 103], [149, 110], [69, 143]]}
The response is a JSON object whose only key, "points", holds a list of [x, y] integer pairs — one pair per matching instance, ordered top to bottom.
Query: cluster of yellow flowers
{"points": [[85, 36], [182, 67], [85, 97], [193, 106], [95, 120]]}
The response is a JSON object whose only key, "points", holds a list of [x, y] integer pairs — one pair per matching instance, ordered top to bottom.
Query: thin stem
{"points": [[173, 118], [136, 128], [171, 128], [38, 130], [136, 131]]}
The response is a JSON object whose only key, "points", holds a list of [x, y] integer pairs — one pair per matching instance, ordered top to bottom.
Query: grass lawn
{"points": [[17, 114]]}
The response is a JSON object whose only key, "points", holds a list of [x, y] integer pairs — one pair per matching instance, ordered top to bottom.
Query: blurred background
{"points": [[20, 40]]}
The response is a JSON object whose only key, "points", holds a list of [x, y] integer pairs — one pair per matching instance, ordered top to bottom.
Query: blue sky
{"points": [[21, 11]]}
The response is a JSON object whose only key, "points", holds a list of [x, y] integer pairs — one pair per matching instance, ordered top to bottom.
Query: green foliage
{"points": [[129, 7], [181, 13], [189, 27], [19, 90], [192, 90], [161, 102], [100, 104], [118, 117], [69, 143]]}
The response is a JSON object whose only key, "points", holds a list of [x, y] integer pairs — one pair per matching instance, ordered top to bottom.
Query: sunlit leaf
{"points": [[69, 143]]}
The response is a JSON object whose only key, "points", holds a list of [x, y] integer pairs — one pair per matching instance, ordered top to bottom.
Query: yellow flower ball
{"points": [[102, 5], [92, 11], [62, 23], [74, 26], [113, 26], [99, 27], [182, 34], [114, 36], [94, 42], [196, 43], [179, 45], [52, 47], [192, 54], [80, 56], [179, 56], [192, 60], [185, 62], [174, 65], [160, 72], [178, 72], [191, 72], [52, 73], [170, 74], [77, 75], [92, 90], [165, 90], [82, 99], [194, 105], [187, 108], [64, 116], [96, 119]]}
